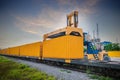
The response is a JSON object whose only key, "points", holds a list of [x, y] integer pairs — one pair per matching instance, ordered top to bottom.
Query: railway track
{"points": [[98, 70], [113, 71]]}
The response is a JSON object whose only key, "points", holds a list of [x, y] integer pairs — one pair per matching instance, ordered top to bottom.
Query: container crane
{"points": [[71, 29]]}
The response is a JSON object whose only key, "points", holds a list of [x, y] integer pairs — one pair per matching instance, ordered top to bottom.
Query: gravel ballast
{"points": [[115, 59], [59, 73]]}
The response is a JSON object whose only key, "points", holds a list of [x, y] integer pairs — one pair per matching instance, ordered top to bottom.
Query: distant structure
{"points": [[97, 32], [93, 34], [116, 40], [104, 43]]}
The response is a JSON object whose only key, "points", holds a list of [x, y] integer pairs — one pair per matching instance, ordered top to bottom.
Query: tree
{"points": [[112, 47], [115, 47]]}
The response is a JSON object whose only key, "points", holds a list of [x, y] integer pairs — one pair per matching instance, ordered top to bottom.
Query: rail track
{"points": [[98, 70], [112, 70]]}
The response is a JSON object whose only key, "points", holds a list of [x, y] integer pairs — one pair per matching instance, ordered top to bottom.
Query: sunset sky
{"points": [[25, 21]]}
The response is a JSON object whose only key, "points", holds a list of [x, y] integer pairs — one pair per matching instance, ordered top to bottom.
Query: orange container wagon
{"points": [[63, 45], [32, 50], [1, 51], [14, 51], [6, 52]]}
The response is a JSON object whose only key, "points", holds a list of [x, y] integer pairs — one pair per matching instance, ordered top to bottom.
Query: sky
{"points": [[25, 21]]}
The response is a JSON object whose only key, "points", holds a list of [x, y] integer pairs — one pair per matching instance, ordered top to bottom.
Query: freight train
{"points": [[65, 45]]}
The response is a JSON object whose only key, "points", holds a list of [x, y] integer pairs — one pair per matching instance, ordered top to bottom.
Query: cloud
{"points": [[66, 2], [91, 3], [83, 6], [89, 6], [50, 19], [47, 20], [33, 32]]}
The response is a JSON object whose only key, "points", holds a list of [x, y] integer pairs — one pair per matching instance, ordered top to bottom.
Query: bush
{"points": [[112, 47], [96, 77]]}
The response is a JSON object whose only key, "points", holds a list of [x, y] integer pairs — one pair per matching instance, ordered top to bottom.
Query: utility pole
{"points": [[97, 32], [93, 34], [98, 38], [116, 40]]}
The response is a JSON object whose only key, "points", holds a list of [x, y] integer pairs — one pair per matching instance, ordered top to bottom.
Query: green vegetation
{"points": [[112, 47], [10, 70], [88, 71], [96, 77]]}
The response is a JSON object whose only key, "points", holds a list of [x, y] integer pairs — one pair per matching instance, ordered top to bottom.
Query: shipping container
{"points": [[65, 47], [31, 50], [1, 51], [5, 51], [8, 51], [14, 51], [114, 53]]}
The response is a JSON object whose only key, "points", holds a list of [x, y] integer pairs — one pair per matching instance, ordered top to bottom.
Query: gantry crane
{"points": [[72, 19], [71, 29]]}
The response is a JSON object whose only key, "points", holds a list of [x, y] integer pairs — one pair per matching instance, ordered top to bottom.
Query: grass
{"points": [[10, 70], [88, 71], [97, 77]]}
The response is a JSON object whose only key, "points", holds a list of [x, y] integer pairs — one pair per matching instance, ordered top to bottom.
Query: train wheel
{"points": [[106, 57]]}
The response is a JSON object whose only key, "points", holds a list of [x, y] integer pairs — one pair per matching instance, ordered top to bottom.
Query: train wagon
{"points": [[63, 45], [32, 50], [3, 51], [6, 51], [14, 51]]}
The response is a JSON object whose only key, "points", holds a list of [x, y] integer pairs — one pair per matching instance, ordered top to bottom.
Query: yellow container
{"points": [[65, 47], [31, 50], [3, 51], [6, 51], [14, 51], [114, 53]]}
